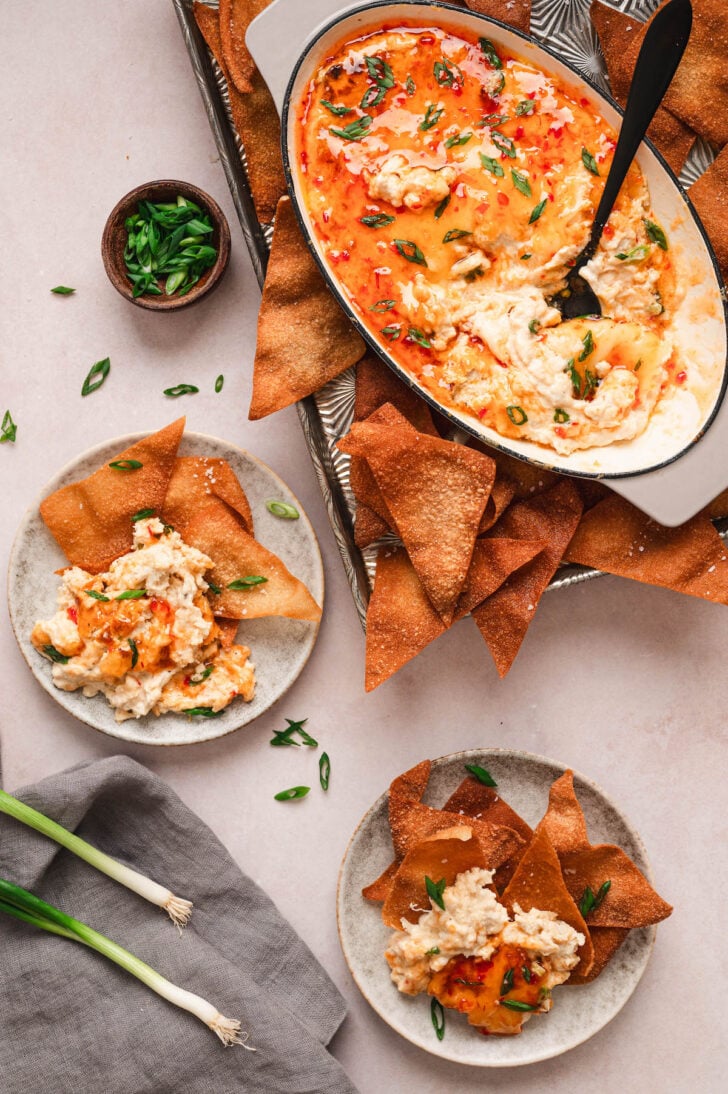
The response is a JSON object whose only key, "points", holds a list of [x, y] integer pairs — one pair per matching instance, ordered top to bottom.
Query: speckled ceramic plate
{"points": [[280, 647], [578, 1012]]}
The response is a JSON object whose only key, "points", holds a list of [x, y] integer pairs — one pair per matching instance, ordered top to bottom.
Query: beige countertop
{"points": [[625, 683]]}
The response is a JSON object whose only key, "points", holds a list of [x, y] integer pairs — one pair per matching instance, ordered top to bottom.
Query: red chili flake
{"points": [[457, 89], [531, 95], [583, 102], [490, 106], [558, 130], [519, 132], [304, 157], [503, 199], [482, 208], [325, 216], [608, 231], [341, 256], [681, 377], [482, 413], [559, 431], [72, 614], [187, 681]]}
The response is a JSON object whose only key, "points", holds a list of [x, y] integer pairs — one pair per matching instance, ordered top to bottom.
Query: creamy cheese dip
{"points": [[450, 185], [143, 634], [472, 957]]}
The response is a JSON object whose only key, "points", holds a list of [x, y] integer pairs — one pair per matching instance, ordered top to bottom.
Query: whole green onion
{"points": [[24, 905], [179, 910]]}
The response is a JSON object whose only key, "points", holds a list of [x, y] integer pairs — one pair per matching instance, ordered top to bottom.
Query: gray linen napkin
{"points": [[73, 1023]]}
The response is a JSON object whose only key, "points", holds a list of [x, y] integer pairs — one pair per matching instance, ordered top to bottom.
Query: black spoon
{"points": [[660, 54]]}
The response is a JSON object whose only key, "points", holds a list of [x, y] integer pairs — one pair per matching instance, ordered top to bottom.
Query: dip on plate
{"points": [[449, 185], [143, 634]]}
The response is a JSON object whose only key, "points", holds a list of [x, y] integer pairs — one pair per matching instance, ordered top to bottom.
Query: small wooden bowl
{"points": [[114, 239]]}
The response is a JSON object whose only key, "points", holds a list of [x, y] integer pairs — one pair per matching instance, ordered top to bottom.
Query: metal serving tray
{"points": [[326, 415]]}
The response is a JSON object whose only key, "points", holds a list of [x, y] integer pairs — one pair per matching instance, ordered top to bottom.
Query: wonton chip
{"points": [[515, 12], [235, 18], [620, 37], [698, 94], [256, 120], [709, 195], [304, 338], [376, 384], [195, 479], [436, 491], [500, 498], [91, 520], [617, 537], [236, 556], [504, 617], [401, 621], [474, 799], [564, 819], [441, 856], [539, 883]]}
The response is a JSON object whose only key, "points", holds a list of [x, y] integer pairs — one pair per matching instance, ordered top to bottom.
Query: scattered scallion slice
{"points": [[490, 53], [447, 73], [410, 86], [526, 106], [339, 111], [433, 113], [355, 130], [457, 140], [503, 143], [589, 162], [491, 165], [521, 182], [442, 206], [537, 210], [376, 220], [454, 233], [656, 234], [410, 251], [636, 254], [63, 290], [383, 305], [534, 326], [391, 333], [414, 334], [588, 343], [96, 376], [218, 384], [180, 389], [517, 415], [560, 416], [8, 429], [126, 465], [282, 509], [142, 515], [247, 582], [214, 588], [131, 594], [96, 596], [134, 652], [55, 655], [206, 672], [202, 712], [285, 736], [324, 770], [481, 774], [292, 794], [435, 889], [590, 900], [24, 905], [179, 910], [507, 982], [517, 1004], [437, 1013]]}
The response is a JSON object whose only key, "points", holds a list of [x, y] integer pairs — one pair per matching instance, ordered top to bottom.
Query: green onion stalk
{"points": [[24, 905], [178, 909]]}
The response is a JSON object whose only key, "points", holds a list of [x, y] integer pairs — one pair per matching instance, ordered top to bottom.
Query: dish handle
{"points": [[277, 37]]}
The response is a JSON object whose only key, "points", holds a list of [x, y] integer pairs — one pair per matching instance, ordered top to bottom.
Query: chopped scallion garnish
{"points": [[96, 376]]}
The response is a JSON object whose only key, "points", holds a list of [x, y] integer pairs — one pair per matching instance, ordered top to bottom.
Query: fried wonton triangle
{"points": [[515, 12], [235, 18], [620, 37], [698, 94], [256, 120], [709, 195], [304, 338], [376, 384], [356, 444], [195, 479], [436, 491], [500, 498], [92, 519], [216, 531], [617, 537], [504, 617], [401, 621], [473, 799], [564, 820], [441, 856], [539, 883], [631, 900], [605, 941]]}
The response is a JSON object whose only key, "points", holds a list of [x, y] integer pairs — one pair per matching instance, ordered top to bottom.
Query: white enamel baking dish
{"points": [[289, 41]]}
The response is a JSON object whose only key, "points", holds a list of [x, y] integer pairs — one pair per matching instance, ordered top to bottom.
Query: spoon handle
{"points": [[662, 49]]}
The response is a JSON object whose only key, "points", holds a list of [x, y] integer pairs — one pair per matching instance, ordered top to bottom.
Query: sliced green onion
{"points": [[490, 52], [410, 86], [526, 106], [332, 108], [432, 117], [355, 130], [457, 140], [503, 143], [589, 162], [491, 165], [521, 182], [440, 209], [537, 210], [376, 220], [455, 233], [656, 234], [410, 251], [637, 254], [62, 290], [382, 305], [534, 326], [392, 333], [414, 334], [588, 343], [96, 376], [218, 384], [180, 389], [517, 415], [560, 416], [8, 430], [126, 465], [282, 509], [143, 514], [247, 582], [214, 588], [131, 594], [96, 596], [134, 652], [55, 655], [207, 671], [202, 712], [283, 736], [324, 770], [481, 774], [292, 794], [435, 889], [31, 909], [179, 910], [507, 982], [517, 1004], [437, 1013]]}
